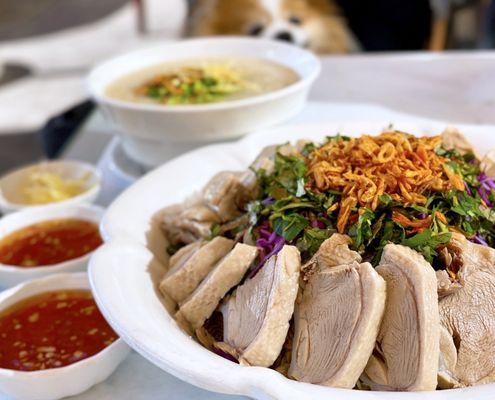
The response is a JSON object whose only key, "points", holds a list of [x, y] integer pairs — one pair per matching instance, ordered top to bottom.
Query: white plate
{"points": [[121, 271]]}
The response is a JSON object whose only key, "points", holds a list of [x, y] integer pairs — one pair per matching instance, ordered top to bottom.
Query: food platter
{"points": [[128, 280]]}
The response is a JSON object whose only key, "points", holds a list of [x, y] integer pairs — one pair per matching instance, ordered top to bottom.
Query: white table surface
{"points": [[455, 88]]}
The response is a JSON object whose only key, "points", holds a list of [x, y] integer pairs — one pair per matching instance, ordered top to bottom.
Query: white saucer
{"points": [[122, 165], [118, 171]]}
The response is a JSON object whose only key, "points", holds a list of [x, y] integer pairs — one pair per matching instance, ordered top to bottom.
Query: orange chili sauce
{"points": [[49, 242], [52, 330]]}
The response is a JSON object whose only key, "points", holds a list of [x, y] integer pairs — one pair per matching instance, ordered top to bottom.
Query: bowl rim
{"points": [[301, 83], [6, 204], [97, 211], [114, 240], [13, 291]]}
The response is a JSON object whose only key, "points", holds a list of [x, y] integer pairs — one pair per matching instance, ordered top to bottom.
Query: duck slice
{"points": [[453, 139], [487, 164], [227, 193], [222, 200], [189, 224], [332, 252], [184, 254], [185, 275], [225, 275], [256, 317], [467, 317], [337, 318], [407, 351]]}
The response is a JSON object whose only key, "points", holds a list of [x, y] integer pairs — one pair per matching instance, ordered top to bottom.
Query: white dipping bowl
{"points": [[153, 132], [12, 198], [11, 275], [64, 381]]}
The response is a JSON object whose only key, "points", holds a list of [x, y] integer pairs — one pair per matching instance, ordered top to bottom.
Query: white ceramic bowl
{"points": [[153, 132], [11, 197], [124, 268], [11, 275], [65, 381]]}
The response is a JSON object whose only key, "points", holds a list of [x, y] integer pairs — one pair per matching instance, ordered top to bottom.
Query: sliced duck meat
{"points": [[453, 139], [264, 160], [487, 164], [225, 195], [221, 201], [187, 225], [332, 252], [183, 254], [189, 270], [225, 275], [445, 284], [256, 317], [467, 317], [337, 318], [407, 351]]}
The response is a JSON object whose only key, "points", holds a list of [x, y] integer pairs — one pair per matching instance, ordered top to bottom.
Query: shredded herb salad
{"points": [[291, 210]]}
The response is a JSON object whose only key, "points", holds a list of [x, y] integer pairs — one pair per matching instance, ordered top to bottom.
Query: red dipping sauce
{"points": [[50, 242], [52, 330]]}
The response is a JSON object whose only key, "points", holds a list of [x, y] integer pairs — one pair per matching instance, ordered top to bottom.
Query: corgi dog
{"points": [[313, 24]]}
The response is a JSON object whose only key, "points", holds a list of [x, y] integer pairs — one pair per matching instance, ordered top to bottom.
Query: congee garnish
{"points": [[202, 81], [193, 85]]}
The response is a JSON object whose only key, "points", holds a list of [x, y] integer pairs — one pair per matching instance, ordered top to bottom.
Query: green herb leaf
{"points": [[385, 199], [254, 209], [290, 226], [214, 231], [361, 231], [312, 239], [427, 242]]}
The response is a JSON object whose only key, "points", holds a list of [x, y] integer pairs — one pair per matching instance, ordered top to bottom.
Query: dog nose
{"points": [[284, 36]]}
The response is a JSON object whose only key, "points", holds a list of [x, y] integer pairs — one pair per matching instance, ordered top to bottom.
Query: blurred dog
{"points": [[314, 24]]}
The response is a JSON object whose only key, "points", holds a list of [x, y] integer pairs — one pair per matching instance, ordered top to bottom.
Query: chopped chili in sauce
{"points": [[49, 242], [52, 330]]}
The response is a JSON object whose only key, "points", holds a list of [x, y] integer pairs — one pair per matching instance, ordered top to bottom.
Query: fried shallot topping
{"points": [[402, 166]]}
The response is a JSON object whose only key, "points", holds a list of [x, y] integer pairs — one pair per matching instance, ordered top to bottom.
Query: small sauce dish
{"points": [[48, 184], [20, 231], [69, 380]]}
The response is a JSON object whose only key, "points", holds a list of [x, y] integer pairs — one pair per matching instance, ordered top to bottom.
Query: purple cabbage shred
{"points": [[486, 181], [487, 185], [468, 190], [484, 196], [269, 200], [318, 224], [478, 239], [269, 244], [225, 355]]}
